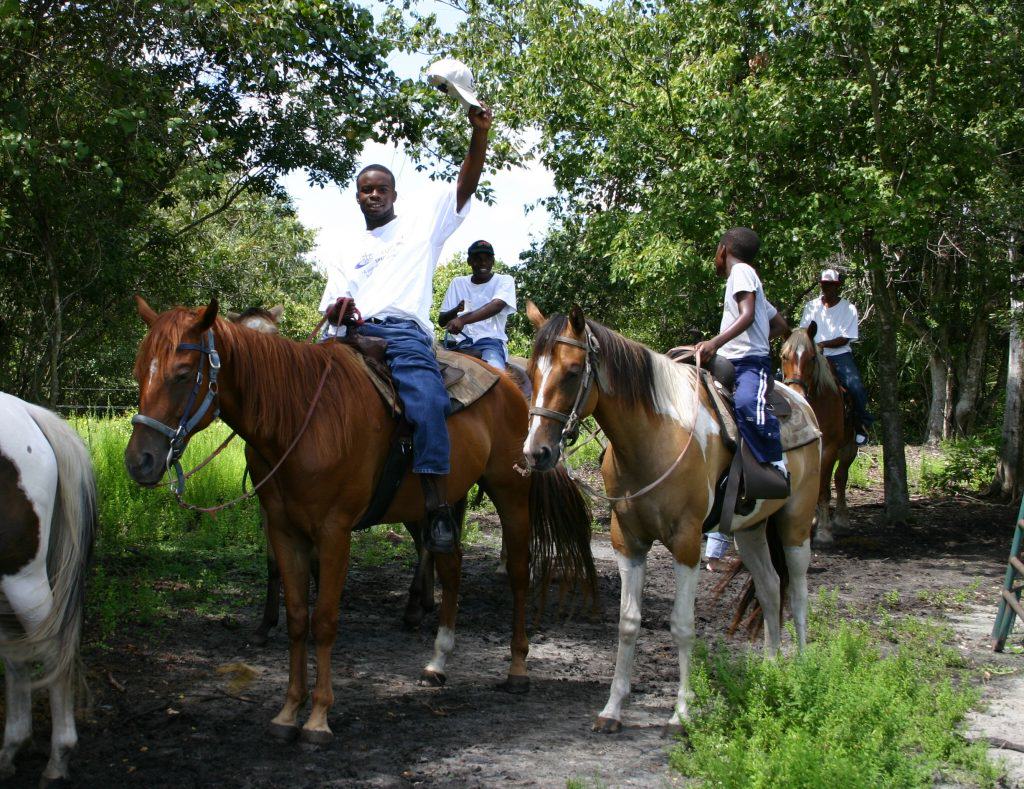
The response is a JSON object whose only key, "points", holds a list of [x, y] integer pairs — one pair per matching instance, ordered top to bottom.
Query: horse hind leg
{"points": [[846, 457], [823, 521], [752, 545], [798, 559], [449, 571], [421, 588], [272, 601], [18, 713], [64, 735]]}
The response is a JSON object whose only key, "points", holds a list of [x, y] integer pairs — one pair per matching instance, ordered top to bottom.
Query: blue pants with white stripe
{"points": [[757, 424]]}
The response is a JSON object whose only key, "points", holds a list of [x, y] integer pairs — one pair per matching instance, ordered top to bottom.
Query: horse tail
{"points": [[560, 521], [72, 533], [748, 613]]}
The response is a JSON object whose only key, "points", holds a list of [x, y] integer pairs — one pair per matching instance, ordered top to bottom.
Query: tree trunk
{"points": [[56, 320], [973, 369], [939, 373], [894, 459], [1010, 470]]}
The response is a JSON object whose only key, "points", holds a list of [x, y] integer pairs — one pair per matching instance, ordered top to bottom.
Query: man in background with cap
{"points": [[388, 271], [477, 307], [836, 320]]}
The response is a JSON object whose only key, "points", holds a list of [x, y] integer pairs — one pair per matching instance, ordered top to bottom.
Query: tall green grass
{"points": [[851, 710]]}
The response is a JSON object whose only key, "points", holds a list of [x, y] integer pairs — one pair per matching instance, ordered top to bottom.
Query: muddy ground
{"points": [[170, 708]]}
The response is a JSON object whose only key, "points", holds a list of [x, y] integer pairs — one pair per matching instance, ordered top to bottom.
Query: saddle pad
{"points": [[474, 381], [798, 428]]}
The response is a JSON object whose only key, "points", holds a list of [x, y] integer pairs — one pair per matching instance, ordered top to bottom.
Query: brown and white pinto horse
{"points": [[807, 370], [265, 386], [655, 414], [47, 526]]}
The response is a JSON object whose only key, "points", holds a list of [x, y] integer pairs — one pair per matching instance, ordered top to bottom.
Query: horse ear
{"points": [[146, 312], [277, 312], [209, 315], [535, 315], [577, 319], [812, 329]]}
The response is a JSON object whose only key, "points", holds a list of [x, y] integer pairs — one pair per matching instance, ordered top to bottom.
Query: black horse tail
{"points": [[560, 523], [749, 614]]}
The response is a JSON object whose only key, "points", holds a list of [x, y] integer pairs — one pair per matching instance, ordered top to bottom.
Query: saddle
{"points": [[746, 480]]}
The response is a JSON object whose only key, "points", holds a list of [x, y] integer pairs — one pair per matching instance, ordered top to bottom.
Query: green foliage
{"points": [[966, 465], [844, 712]]}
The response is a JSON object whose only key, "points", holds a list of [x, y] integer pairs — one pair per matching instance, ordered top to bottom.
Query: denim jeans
{"points": [[491, 350], [410, 356], [849, 377], [756, 422], [717, 545]]}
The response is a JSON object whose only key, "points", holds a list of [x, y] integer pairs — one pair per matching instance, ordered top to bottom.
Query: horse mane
{"points": [[799, 340], [627, 366], [277, 376]]}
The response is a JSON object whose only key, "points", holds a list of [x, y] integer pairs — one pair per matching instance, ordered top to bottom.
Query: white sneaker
{"points": [[861, 439], [781, 466]]}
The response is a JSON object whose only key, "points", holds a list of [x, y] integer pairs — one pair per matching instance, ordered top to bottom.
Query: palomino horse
{"points": [[807, 370], [313, 412], [660, 427], [47, 525], [421, 591]]}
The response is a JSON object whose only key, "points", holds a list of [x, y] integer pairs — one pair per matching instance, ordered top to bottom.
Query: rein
{"points": [[571, 421]]}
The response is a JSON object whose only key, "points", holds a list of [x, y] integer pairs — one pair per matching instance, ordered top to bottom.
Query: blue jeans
{"points": [[491, 350], [410, 356], [849, 377], [757, 424], [717, 545]]}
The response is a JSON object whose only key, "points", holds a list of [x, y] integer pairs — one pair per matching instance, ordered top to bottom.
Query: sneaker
{"points": [[860, 438], [717, 565]]}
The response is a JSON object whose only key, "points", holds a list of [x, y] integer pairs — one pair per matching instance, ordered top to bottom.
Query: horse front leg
{"points": [[515, 540], [333, 548], [292, 550], [449, 571], [632, 572], [421, 589], [683, 633]]}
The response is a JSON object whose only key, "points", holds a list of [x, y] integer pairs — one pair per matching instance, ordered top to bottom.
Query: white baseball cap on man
{"points": [[453, 77], [830, 275]]}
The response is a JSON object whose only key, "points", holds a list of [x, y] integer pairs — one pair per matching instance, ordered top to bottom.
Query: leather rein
{"points": [[571, 421], [187, 423]]}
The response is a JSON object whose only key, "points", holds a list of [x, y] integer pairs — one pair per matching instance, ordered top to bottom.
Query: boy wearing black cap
{"points": [[477, 307]]}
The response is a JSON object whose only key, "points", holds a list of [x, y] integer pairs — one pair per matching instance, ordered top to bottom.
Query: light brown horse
{"points": [[806, 369], [265, 387], [658, 420]]}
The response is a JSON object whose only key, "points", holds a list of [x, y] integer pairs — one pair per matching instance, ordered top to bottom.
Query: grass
{"points": [[155, 559], [860, 707]]}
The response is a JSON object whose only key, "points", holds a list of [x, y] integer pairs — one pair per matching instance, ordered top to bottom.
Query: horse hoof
{"points": [[823, 540], [412, 620], [432, 679], [517, 684], [607, 726], [674, 731], [282, 732], [317, 736], [55, 783]]}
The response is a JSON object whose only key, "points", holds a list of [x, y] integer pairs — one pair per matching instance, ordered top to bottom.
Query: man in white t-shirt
{"points": [[388, 271], [477, 306], [836, 320], [749, 321]]}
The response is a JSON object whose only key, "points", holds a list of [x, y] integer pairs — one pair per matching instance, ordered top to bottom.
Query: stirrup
{"points": [[442, 534]]}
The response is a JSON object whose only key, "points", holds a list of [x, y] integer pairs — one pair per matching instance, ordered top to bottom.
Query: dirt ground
{"points": [[175, 709]]}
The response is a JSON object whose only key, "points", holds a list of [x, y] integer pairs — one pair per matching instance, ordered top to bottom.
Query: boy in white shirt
{"points": [[388, 271], [477, 307], [836, 320], [748, 322]]}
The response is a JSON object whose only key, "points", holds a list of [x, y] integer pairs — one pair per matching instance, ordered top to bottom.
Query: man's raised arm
{"points": [[473, 165]]}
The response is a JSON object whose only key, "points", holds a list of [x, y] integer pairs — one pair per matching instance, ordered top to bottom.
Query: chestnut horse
{"points": [[806, 369], [313, 410], [661, 427], [47, 526]]}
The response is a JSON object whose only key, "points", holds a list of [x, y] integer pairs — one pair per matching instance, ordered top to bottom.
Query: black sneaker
{"points": [[442, 531]]}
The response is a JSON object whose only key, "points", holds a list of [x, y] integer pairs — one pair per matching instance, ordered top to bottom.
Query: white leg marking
{"points": [[753, 548], [797, 560], [631, 573], [683, 632], [444, 644], [18, 726], [64, 736]]}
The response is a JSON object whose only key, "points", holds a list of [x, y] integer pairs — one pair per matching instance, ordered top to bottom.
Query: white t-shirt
{"points": [[389, 270], [499, 286], [839, 320], [754, 341]]}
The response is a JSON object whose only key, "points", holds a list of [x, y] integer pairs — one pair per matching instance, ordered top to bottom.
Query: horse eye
{"points": [[573, 371], [181, 375]]}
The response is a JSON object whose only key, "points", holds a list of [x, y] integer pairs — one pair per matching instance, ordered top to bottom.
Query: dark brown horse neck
{"points": [[268, 383]]}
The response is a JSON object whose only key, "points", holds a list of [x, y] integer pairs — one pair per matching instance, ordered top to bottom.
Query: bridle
{"points": [[571, 421], [179, 436]]}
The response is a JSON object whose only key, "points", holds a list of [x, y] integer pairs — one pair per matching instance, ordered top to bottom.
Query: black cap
{"points": [[481, 246]]}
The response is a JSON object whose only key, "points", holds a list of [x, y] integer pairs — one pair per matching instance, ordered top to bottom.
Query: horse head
{"points": [[259, 319], [798, 357], [563, 369], [176, 370]]}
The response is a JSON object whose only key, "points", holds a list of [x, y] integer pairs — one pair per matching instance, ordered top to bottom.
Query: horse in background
{"points": [[807, 370], [313, 410], [662, 432], [47, 528], [421, 590]]}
